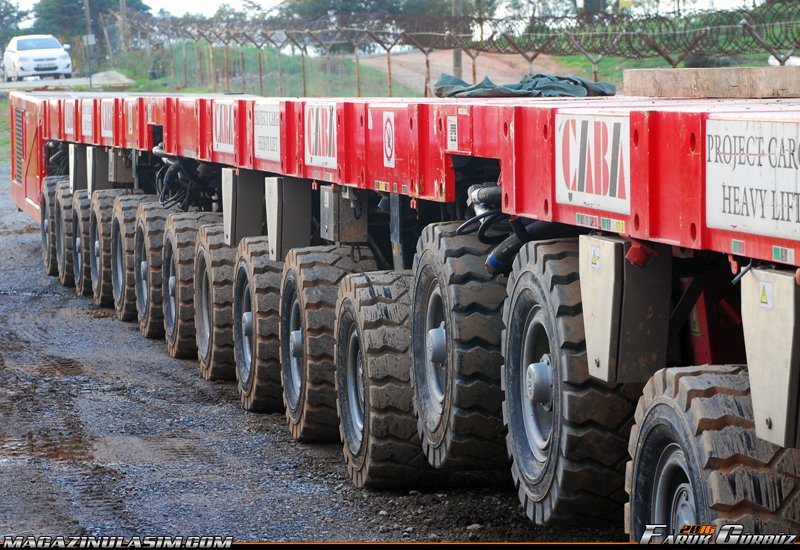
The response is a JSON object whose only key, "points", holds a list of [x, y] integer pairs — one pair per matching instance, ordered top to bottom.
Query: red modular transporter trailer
{"points": [[461, 283]]}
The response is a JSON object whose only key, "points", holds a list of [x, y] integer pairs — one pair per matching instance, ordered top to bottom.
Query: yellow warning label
{"points": [[595, 257], [765, 297], [694, 323]]}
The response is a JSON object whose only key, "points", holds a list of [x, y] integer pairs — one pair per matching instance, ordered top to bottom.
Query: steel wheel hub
{"points": [[59, 237], [78, 259], [118, 269], [141, 271], [143, 275], [170, 303], [205, 309], [247, 324], [245, 330], [436, 347], [536, 377], [295, 378], [539, 383], [355, 384], [673, 501]]}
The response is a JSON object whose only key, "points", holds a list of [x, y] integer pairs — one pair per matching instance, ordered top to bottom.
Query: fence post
{"points": [[388, 47], [302, 48], [426, 52], [536, 52], [593, 59], [782, 59], [674, 62]]}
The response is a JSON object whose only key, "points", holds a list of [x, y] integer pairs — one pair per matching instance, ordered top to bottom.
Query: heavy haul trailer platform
{"points": [[552, 262]]}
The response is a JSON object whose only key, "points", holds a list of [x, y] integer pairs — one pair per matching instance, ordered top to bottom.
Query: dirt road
{"points": [[408, 68], [101, 432]]}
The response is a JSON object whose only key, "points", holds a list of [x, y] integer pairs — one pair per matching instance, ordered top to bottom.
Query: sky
{"points": [[180, 7], [209, 7]]}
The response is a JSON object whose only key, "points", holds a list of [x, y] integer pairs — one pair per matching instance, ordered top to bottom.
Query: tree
{"points": [[525, 9], [306, 10], [10, 18], [65, 19]]}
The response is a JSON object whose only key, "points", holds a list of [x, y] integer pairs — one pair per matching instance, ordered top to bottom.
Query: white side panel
{"points": [[87, 117], [69, 118], [107, 118], [224, 126], [267, 131], [320, 135], [593, 162], [753, 177], [228, 178], [601, 273], [769, 315]]}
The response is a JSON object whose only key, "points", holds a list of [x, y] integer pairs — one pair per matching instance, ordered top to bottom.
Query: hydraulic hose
{"points": [[490, 195], [499, 261]]}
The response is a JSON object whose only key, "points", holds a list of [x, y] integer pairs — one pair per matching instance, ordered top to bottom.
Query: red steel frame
{"points": [[407, 146]]}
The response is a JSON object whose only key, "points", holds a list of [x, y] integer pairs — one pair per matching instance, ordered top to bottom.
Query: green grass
{"points": [[610, 69], [197, 74], [5, 130]]}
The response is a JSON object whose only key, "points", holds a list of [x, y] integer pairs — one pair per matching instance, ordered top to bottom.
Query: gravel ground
{"points": [[102, 433]]}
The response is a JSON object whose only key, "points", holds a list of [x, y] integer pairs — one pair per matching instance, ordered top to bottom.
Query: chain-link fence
{"points": [[259, 54]]}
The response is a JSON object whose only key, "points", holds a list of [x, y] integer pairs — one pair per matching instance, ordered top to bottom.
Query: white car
{"points": [[36, 55]]}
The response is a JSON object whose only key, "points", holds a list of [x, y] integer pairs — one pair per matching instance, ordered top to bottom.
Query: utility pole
{"points": [[457, 13], [123, 25], [89, 45]]}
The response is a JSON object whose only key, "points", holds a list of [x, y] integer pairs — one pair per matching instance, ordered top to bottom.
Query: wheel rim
{"points": [[45, 228], [59, 236], [77, 250], [94, 252], [117, 262], [141, 267], [169, 291], [204, 297], [244, 320], [435, 347], [295, 378], [355, 385], [536, 392], [672, 501]]}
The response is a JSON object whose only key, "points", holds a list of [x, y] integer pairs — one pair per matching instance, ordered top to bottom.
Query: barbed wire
{"points": [[773, 27]]}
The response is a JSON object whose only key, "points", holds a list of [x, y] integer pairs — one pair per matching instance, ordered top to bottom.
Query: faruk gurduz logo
{"points": [[711, 534]]}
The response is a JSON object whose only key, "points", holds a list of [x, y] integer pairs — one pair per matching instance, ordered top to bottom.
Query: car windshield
{"points": [[45, 43]]}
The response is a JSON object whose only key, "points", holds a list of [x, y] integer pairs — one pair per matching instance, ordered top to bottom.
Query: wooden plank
{"points": [[727, 82]]}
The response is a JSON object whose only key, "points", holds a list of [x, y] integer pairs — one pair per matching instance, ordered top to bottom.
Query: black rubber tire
{"points": [[151, 219], [47, 222], [63, 234], [180, 238], [100, 241], [123, 264], [81, 266], [309, 288], [257, 290], [213, 303], [373, 342], [462, 429], [575, 474], [735, 477]]}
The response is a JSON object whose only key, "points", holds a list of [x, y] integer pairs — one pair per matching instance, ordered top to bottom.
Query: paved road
{"points": [[108, 78], [101, 432]]}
